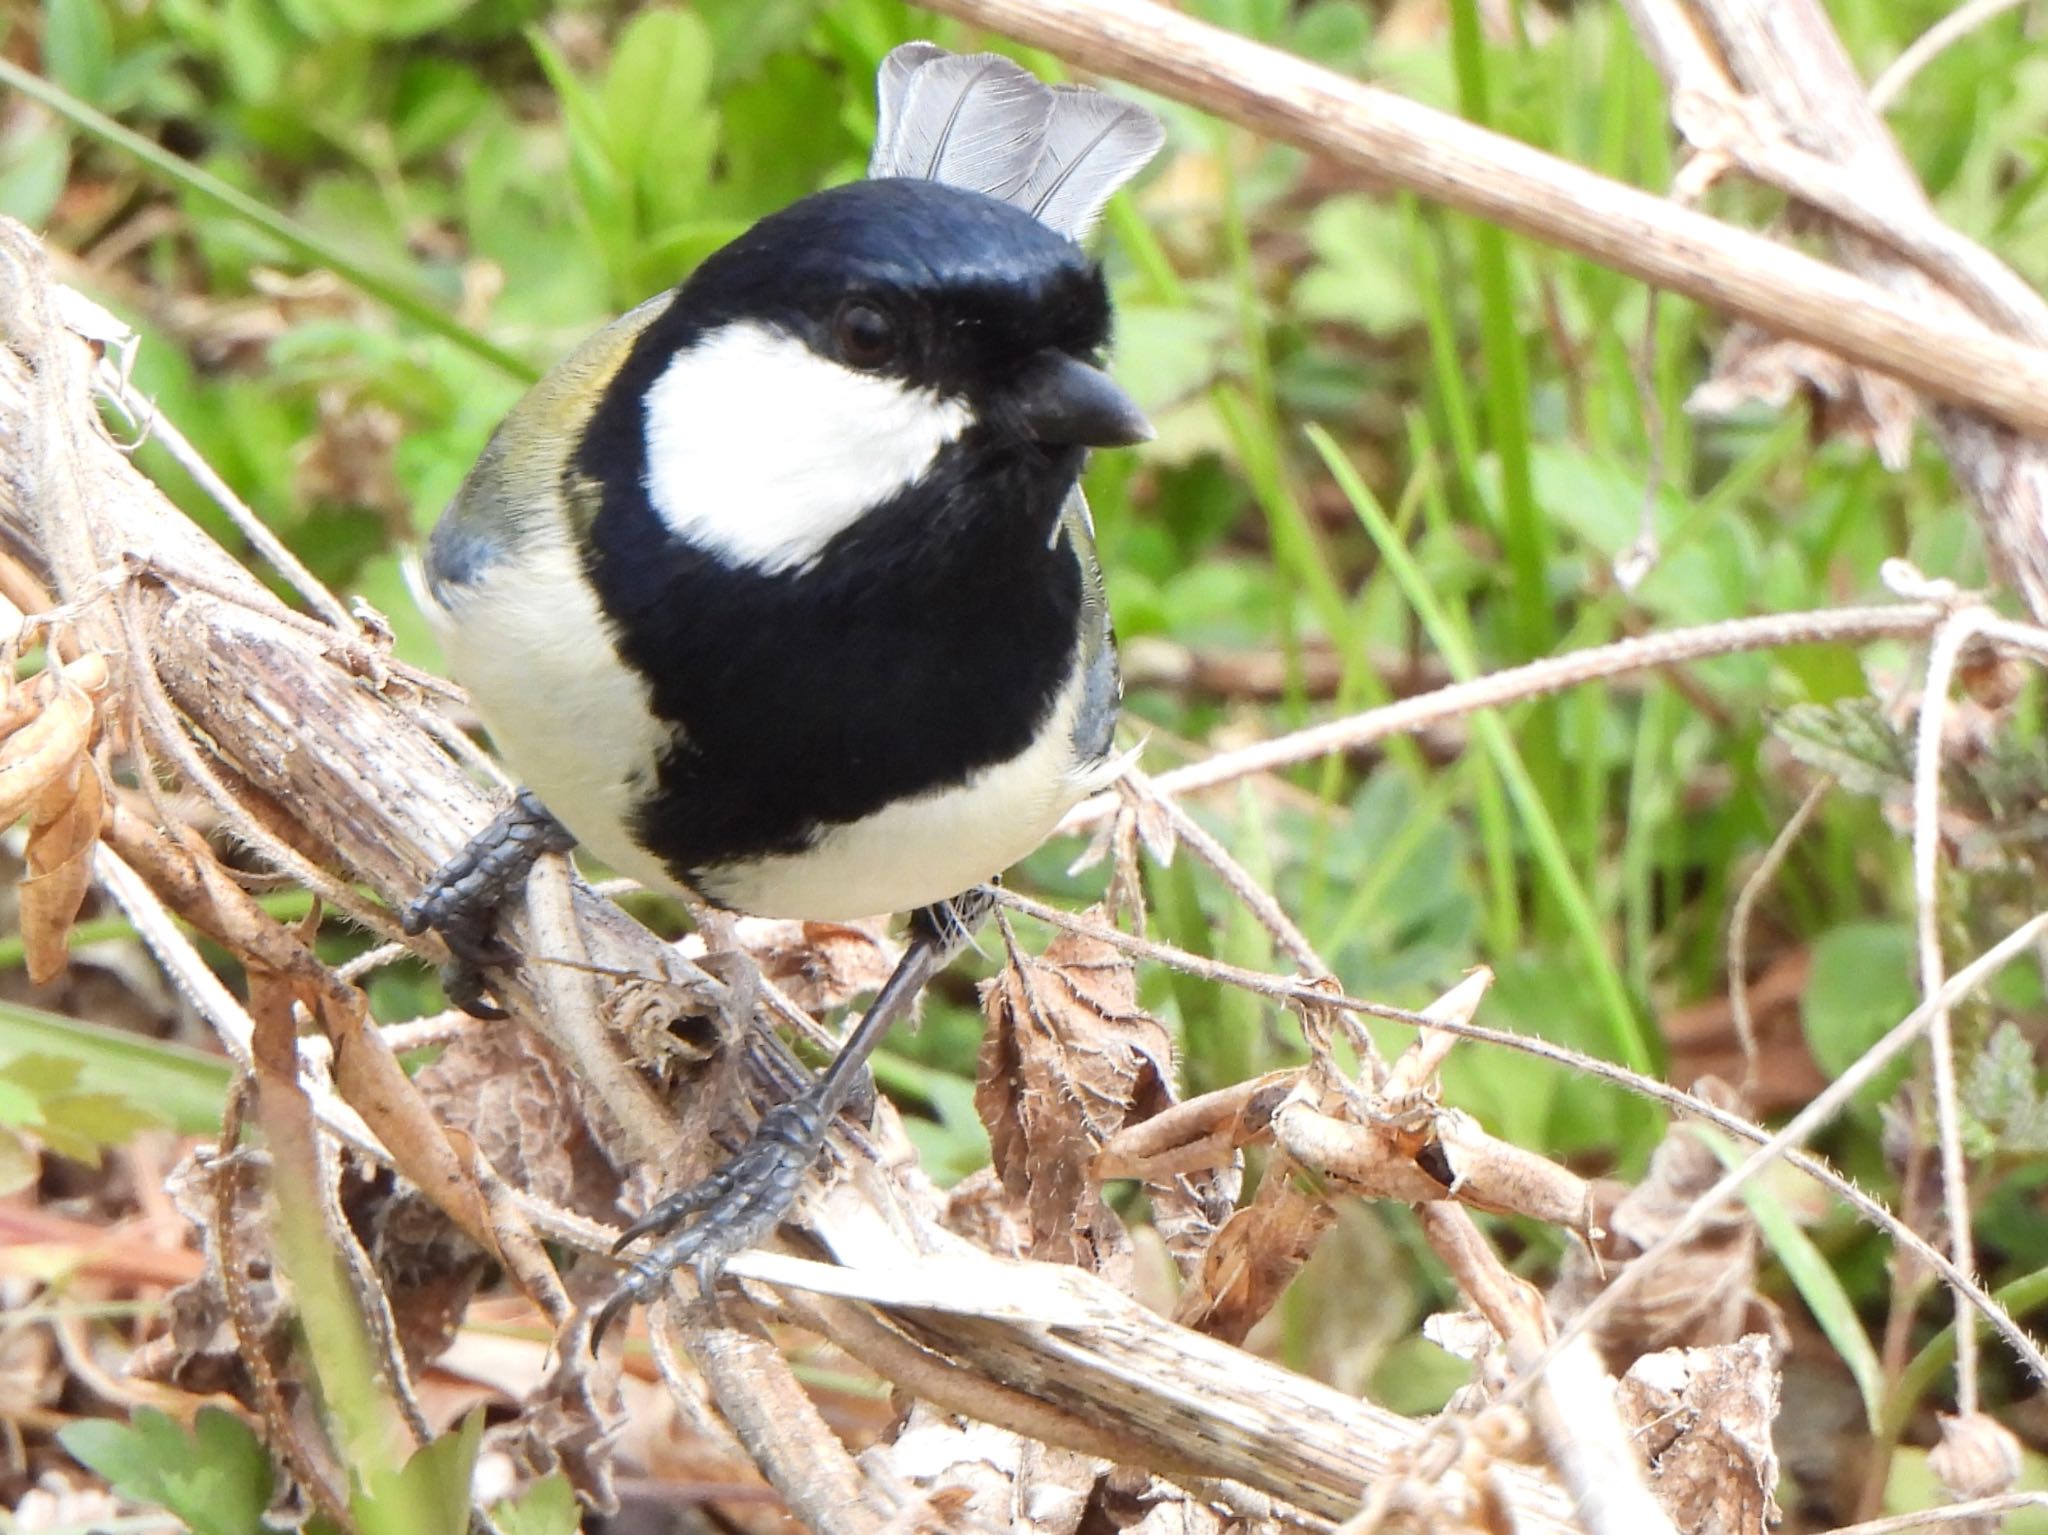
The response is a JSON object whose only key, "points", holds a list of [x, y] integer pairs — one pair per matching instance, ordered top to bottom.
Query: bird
{"points": [[780, 592]]}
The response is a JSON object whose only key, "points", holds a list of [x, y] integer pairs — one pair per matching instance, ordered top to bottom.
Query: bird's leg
{"points": [[461, 901], [744, 1200]]}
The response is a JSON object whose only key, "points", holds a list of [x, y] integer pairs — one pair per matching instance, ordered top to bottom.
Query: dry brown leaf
{"points": [[1751, 365], [48, 727], [47, 771], [63, 828], [819, 965], [1068, 1060], [366, 1072], [505, 1088], [1254, 1256], [1701, 1295], [198, 1350], [1702, 1419], [973, 1476], [1135, 1503]]}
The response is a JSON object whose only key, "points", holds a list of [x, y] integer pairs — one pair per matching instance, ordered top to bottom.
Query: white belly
{"points": [[571, 719], [923, 850]]}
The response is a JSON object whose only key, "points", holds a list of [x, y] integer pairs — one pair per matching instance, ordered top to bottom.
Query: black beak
{"points": [[1063, 400]]}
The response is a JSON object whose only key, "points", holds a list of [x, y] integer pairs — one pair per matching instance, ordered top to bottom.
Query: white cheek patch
{"points": [[762, 451]]}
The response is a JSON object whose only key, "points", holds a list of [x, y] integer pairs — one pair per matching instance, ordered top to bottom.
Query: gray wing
{"points": [[981, 122], [1102, 689]]}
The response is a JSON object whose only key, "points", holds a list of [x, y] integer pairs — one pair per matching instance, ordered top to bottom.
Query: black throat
{"points": [[930, 640]]}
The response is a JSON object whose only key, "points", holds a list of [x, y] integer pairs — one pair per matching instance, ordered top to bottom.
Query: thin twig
{"points": [[1923, 50], [114, 384], [1535, 680], [1236, 878], [1738, 928], [1801, 1128], [1955, 1189], [1866, 1205], [1953, 1513]]}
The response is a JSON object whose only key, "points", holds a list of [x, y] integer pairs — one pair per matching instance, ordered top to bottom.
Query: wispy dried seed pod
{"points": [[1978, 1457]]}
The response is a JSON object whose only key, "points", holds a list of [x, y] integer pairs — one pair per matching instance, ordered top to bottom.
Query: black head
{"points": [[940, 287]]}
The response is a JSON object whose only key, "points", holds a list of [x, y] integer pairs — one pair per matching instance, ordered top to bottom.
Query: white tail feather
{"points": [[981, 122], [1093, 145]]}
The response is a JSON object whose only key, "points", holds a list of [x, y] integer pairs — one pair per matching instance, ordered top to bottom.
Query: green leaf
{"points": [[78, 46], [436, 101], [662, 129], [32, 176], [601, 187], [1363, 275], [1852, 742], [1859, 986], [40, 1074], [186, 1087], [2001, 1097], [18, 1105], [79, 1125], [19, 1164], [1815, 1279], [124, 1453], [217, 1479], [432, 1486], [548, 1507]]}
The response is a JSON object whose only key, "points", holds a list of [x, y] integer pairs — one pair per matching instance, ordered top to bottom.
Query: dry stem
{"points": [[1389, 140]]}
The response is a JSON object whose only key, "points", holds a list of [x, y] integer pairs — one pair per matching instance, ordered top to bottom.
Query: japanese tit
{"points": [[780, 590]]}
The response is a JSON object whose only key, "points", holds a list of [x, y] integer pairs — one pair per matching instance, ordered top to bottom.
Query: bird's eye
{"points": [[865, 337]]}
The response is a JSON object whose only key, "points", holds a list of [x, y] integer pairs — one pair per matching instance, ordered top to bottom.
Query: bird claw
{"points": [[461, 900], [733, 1209]]}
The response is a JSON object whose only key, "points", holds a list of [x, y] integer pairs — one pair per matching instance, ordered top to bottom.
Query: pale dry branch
{"points": [[1929, 45], [1782, 98], [1395, 142], [1537, 679], [1929, 744], [1825, 1105], [1942, 1518]]}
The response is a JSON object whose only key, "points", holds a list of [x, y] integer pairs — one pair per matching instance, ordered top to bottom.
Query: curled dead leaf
{"points": [[1847, 401], [55, 717], [63, 828], [820, 965], [1069, 1059], [1203, 1132], [1254, 1256], [1701, 1295], [1702, 1419]]}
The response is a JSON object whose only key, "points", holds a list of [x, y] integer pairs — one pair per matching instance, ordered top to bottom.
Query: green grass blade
{"points": [[396, 292], [1507, 381], [1630, 1041], [1817, 1283], [2018, 1297]]}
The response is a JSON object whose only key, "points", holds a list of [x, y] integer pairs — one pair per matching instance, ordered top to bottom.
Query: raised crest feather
{"points": [[981, 122]]}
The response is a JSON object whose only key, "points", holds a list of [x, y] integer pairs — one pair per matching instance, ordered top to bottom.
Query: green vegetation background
{"points": [[1335, 374]]}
